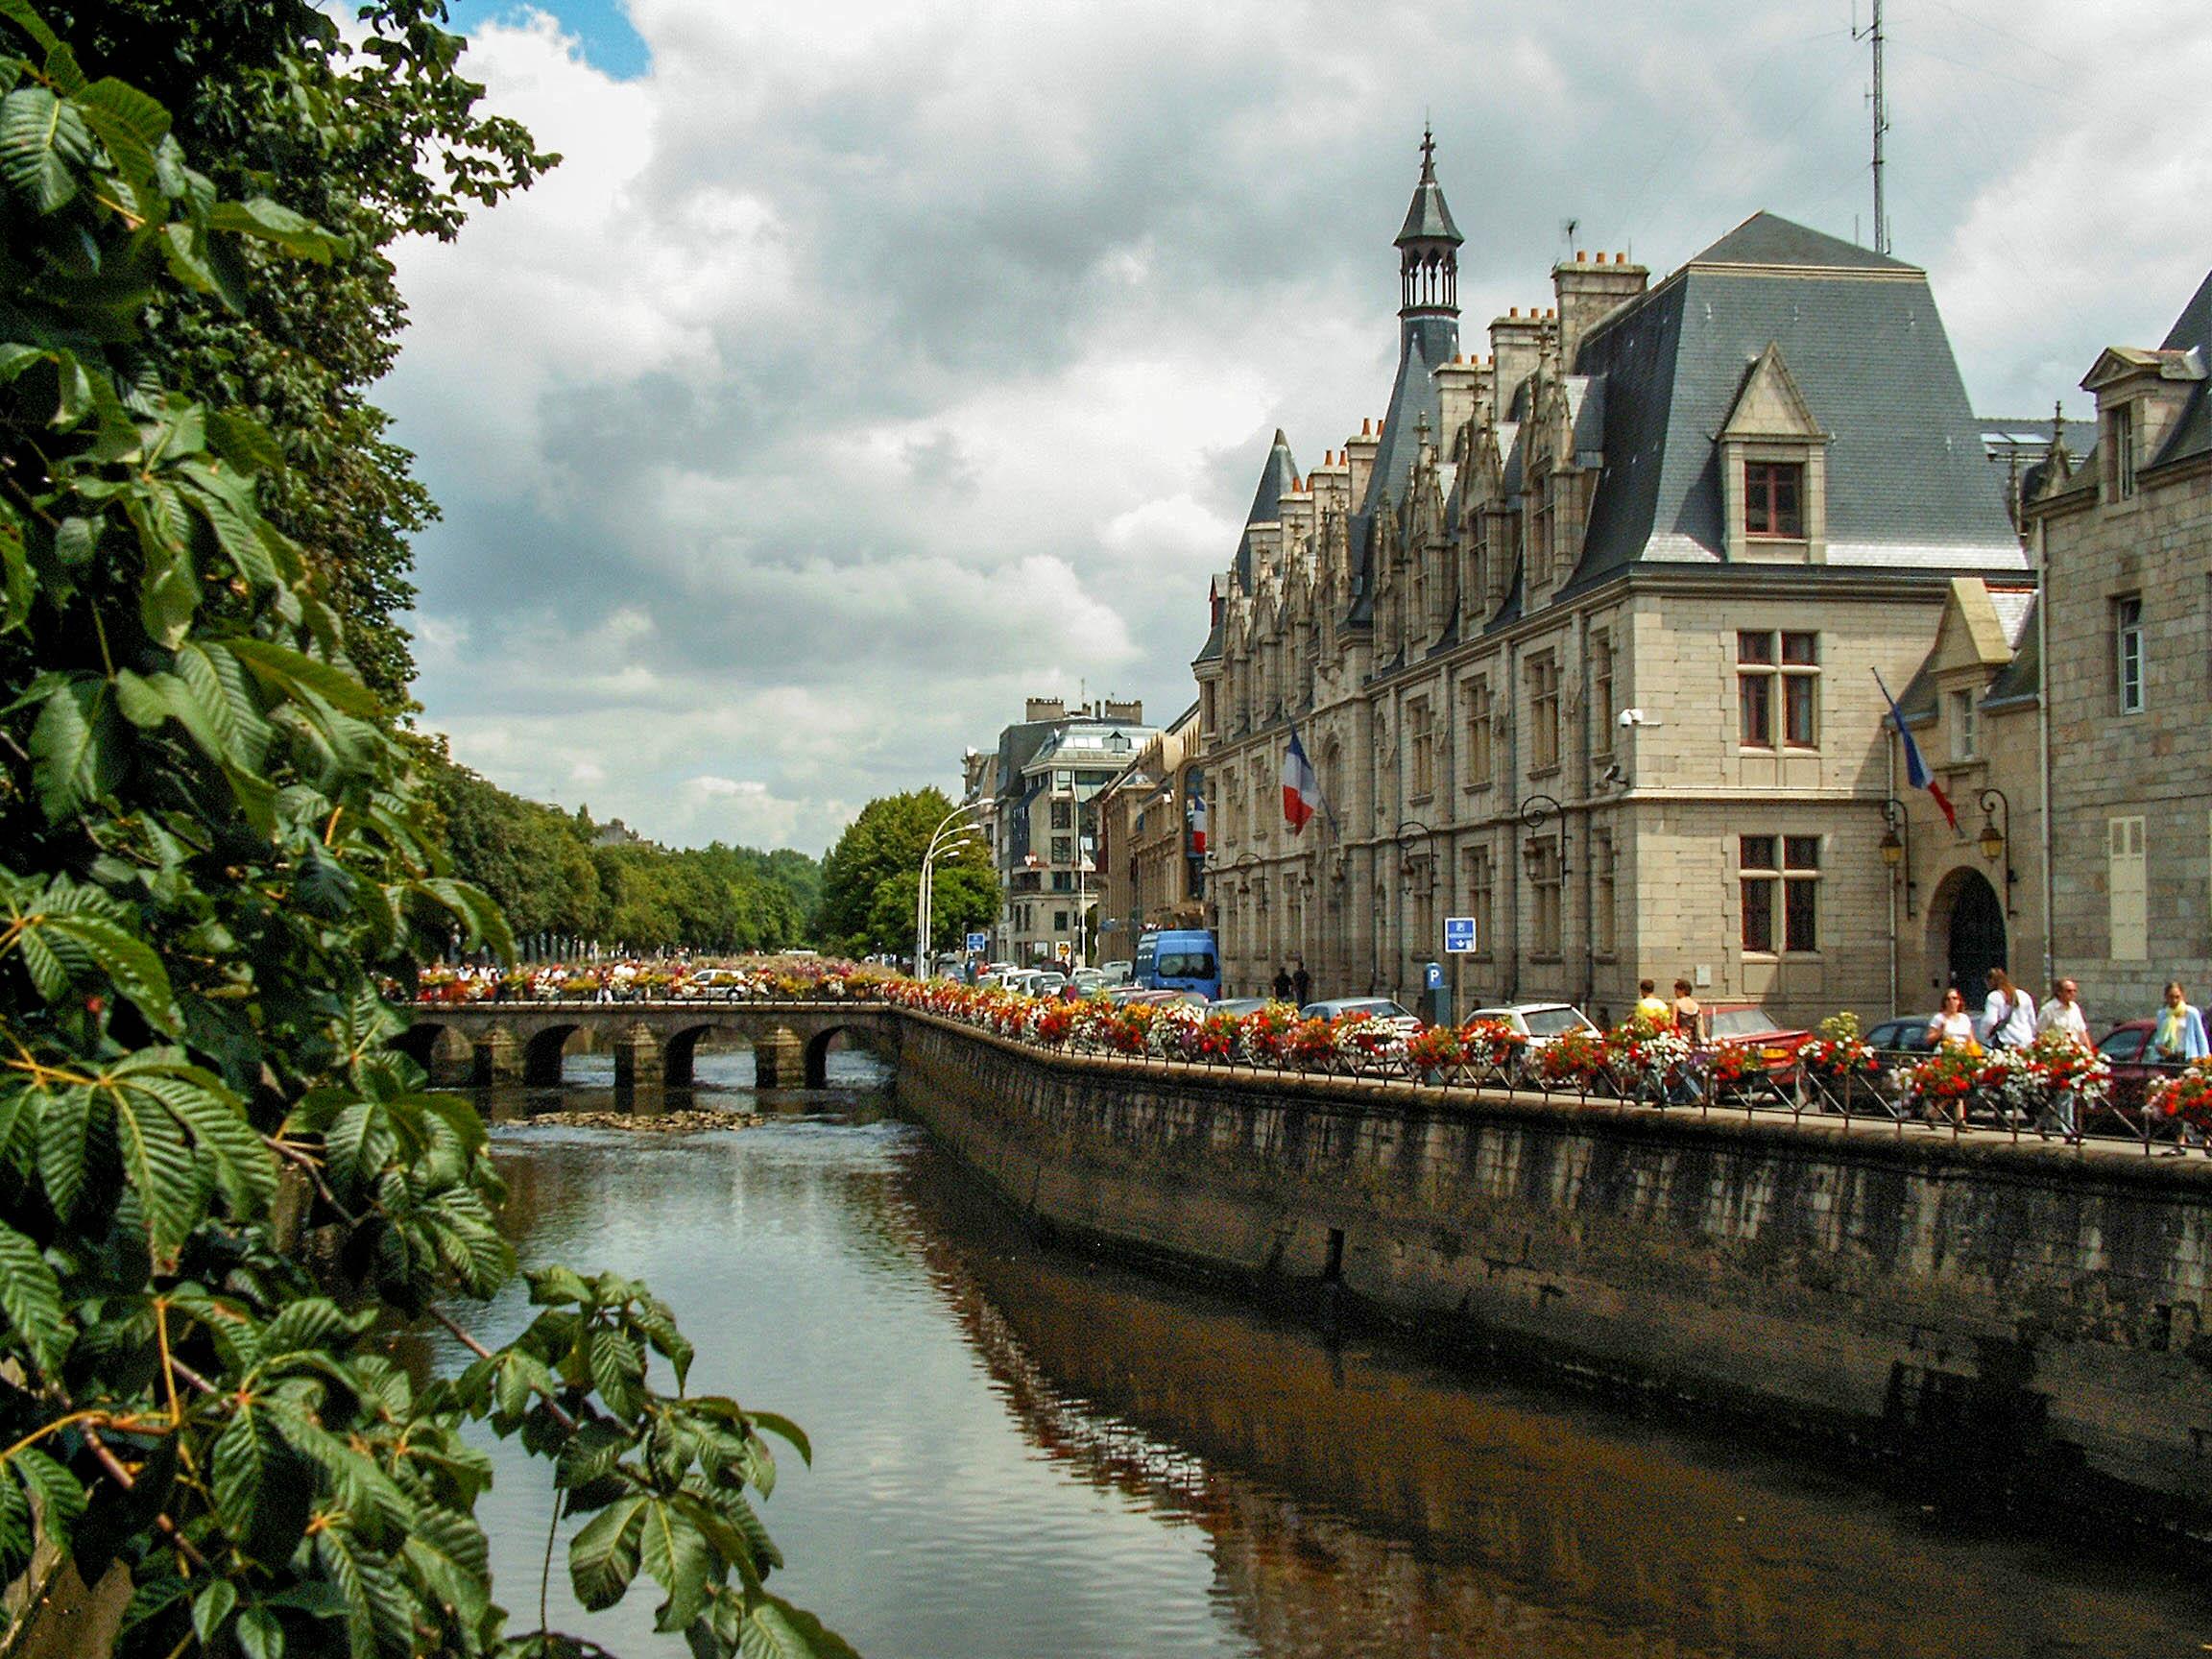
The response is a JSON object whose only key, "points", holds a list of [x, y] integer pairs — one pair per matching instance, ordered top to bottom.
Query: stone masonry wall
{"points": [[2027, 1304]]}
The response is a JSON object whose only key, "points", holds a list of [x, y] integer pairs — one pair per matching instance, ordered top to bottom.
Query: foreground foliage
{"points": [[216, 1180]]}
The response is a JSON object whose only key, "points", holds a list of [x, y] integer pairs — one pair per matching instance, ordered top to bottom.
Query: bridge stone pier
{"points": [[488, 1043]]}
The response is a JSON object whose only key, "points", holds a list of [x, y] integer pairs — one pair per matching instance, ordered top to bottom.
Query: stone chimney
{"points": [[1591, 287], [1516, 344], [1458, 396], [1360, 455], [1038, 708], [1125, 713]]}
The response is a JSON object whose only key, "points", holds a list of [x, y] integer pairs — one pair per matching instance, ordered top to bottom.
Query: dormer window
{"points": [[2120, 446], [1774, 499]]}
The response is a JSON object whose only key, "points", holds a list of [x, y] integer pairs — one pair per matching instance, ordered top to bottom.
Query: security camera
{"points": [[1636, 717], [1611, 776]]}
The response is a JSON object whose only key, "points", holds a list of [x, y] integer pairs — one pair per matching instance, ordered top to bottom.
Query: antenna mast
{"points": [[1873, 33]]}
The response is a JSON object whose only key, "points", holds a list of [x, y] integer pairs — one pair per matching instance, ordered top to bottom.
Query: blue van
{"points": [[1184, 960]]}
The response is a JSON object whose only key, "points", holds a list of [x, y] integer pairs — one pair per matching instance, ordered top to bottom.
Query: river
{"points": [[1021, 1452]]}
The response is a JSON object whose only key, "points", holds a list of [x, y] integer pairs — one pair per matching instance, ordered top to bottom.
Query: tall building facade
{"points": [[2125, 537], [1582, 641], [1041, 784], [1152, 840]]}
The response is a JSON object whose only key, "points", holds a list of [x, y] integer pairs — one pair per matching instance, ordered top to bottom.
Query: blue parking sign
{"points": [[1458, 935], [978, 941]]}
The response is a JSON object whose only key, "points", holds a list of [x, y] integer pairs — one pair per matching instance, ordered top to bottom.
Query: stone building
{"points": [[2125, 538], [1581, 638], [1041, 783], [1151, 822], [1970, 898]]}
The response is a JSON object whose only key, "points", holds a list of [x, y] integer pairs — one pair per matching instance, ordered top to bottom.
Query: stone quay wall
{"points": [[2033, 1309]]}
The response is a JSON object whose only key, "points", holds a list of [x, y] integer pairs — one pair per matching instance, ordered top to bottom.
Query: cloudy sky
{"points": [[869, 364]]}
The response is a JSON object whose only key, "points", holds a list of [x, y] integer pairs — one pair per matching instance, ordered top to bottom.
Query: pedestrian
{"points": [[1282, 983], [1302, 984], [1650, 1010], [2061, 1012], [1689, 1013], [2008, 1016], [1952, 1027], [2179, 1036]]}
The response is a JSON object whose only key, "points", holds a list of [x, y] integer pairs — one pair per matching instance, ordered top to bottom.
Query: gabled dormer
{"points": [[2140, 396], [1773, 459]]}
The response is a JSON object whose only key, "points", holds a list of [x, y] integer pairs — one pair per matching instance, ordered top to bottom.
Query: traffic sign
{"points": [[1460, 935], [978, 941]]}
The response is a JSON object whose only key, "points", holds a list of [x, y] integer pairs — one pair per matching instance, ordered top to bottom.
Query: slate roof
{"points": [[1427, 217], [2192, 433], [1278, 474], [1908, 484], [2020, 680]]}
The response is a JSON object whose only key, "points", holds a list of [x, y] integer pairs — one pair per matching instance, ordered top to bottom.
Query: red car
{"points": [[1746, 1025], [2127, 1048]]}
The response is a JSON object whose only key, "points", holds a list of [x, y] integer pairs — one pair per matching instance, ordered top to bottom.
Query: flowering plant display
{"points": [[1171, 1029], [1260, 1036], [1217, 1038], [1366, 1044], [1311, 1045], [1492, 1045], [1436, 1048], [1838, 1052], [1645, 1056], [1573, 1060], [2064, 1064], [1731, 1067], [1945, 1078], [2186, 1095]]}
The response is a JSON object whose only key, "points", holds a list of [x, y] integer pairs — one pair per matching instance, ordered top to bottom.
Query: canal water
{"points": [[1020, 1453]]}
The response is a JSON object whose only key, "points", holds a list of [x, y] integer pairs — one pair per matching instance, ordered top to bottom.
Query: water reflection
{"points": [[1022, 1454]]}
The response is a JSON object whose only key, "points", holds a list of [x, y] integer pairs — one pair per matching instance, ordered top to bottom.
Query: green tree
{"points": [[376, 143], [869, 879], [217, 1182]]}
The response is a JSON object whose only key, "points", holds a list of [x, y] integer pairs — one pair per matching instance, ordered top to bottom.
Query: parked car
{"points": [[1116, 972], [1047, 982], [1087, 982], [716, 983], [1239, 1007], [1372, 1007], [1541, 1023], [1748, 1025], [1907, 1034], [2127, 1047]]}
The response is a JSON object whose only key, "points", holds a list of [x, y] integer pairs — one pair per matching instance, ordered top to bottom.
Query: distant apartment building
{"points": [[1039, 787], [1152, 829]]}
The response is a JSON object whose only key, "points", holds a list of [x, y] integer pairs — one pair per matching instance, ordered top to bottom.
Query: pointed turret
{"points": [[1429, 246], [1278, 476]]}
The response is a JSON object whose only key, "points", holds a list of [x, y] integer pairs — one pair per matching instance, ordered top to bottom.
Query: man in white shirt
{"points": [[2063, 1010]]}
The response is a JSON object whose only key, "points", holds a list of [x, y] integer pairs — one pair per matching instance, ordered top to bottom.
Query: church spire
{"points": [[1429, 246]]}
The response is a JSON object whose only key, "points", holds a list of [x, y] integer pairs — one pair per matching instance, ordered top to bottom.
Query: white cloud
{"points": [[866, 367]]}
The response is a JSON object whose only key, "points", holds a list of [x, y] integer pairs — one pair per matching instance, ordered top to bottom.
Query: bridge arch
{"points": [[444, 1052], [541, 1053], [816, 1068]]}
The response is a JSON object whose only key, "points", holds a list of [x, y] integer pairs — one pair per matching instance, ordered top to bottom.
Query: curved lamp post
{"points": [[948, 837], [1995, 840], [1897, 846]]}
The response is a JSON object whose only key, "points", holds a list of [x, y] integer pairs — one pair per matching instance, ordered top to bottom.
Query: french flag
{"points": [[1916, 772], [1301, 789], [1197, 823]]}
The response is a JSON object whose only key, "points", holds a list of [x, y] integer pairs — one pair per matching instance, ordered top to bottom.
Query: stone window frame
{"points": [[1810, 452], [2121, 461], [1773, 499], [2130, 664], [1604, 665], [1784, 686], [1962, 723], [1481, 734], [1544, 746], [1420, 750], [1778, 878], [1605, 895], [1547, 898], [1482, 899]]}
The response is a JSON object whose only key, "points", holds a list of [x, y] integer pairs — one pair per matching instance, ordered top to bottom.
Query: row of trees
{"points": [[554, 872], [219, 1185]]}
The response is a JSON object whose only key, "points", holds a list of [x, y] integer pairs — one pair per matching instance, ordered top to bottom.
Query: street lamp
{"points": [[948, 837], [1993, 839], [1896, 845]]}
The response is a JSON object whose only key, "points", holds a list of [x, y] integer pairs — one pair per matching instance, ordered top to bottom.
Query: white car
{"points": [[1372, 1007], [1542, 1023]]}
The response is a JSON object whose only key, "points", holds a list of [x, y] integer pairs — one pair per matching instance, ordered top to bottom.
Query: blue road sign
{"points": [[1458, 935], [978, 941]]}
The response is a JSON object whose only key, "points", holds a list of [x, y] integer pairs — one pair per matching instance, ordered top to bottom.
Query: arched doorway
{"points": [[1976, 939]]}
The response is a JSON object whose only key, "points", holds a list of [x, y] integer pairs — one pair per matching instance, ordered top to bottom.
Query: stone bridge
{"points": [[483, 1043]]}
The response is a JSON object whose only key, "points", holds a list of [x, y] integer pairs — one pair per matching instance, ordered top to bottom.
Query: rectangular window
{"points": [[2119, 444], [1773, 499], [2128, 652], [1778, 690], [1601, 709], [1542, 712], [1960, 719], [1422, 743], [1479, 748], [1063, 814], [1063, 849], [1544, 881], [2128, 889], [1781, 895], [1482, 896], [1059, 921], [1605, 935]]}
